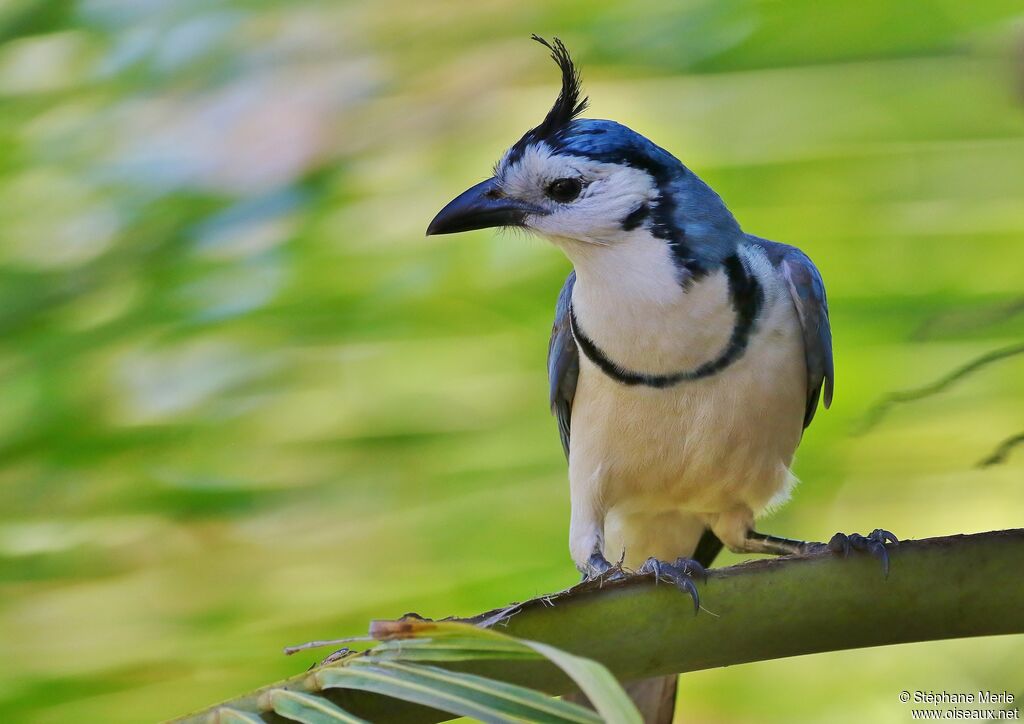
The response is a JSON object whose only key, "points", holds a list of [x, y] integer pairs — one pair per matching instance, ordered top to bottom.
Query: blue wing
{"points": [[808, 293], [563, 364]]}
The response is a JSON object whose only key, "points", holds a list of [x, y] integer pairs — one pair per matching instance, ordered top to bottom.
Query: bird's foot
{"points": [[873, 543], [599, 568], [682, 573]]}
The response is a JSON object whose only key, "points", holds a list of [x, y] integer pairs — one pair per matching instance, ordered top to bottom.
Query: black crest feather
{"points": [[568, 104]]}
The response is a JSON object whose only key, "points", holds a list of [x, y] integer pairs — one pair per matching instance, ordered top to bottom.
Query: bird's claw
{"points": [[873, 543], [599, 568], [681, 573]]}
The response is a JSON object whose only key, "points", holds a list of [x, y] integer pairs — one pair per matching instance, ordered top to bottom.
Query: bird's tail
{"points": [[655, 698]]}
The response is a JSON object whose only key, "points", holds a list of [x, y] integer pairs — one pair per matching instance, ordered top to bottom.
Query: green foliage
{"points": [[394, 669], [307, 709]]}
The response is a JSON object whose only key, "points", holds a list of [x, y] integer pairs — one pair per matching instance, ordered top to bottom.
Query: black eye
{"points": [[564, 190]]}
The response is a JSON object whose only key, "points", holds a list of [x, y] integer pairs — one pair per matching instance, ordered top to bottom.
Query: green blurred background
{"points": [[245, 403]]}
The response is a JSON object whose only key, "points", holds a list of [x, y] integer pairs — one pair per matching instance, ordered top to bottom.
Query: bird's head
{"points": [[585, 184]]}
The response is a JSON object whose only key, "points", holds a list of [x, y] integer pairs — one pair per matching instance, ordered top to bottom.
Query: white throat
{"points": [[631, 301]]}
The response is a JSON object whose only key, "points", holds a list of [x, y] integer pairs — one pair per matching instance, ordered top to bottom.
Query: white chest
{"points": [[631, 302], [703, 446]]}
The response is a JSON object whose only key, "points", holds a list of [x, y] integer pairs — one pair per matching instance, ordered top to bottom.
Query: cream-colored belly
{"points": [[663, 462]]}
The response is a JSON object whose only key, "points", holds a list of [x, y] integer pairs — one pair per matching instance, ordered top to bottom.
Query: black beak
{"points": [[481, 207]]}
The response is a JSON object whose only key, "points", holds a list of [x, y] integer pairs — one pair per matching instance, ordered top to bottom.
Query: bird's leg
{"points": [[736, 530], [586, 536], [754, 542], [586, 543], [840, 544], [596, 565], [599, 567], [682, 573]]}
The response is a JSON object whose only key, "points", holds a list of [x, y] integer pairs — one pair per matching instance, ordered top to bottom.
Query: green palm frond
{"points": [[395, 668], [307, 708]]}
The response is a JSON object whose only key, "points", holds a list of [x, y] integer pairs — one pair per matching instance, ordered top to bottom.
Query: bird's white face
{"points": [[583, 201]]}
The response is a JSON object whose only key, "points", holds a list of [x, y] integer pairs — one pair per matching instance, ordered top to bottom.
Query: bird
{"points": [[686, 359]]}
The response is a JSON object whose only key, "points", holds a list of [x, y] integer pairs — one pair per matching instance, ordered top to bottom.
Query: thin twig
{"points": [[956, 321], [880, 409], [1002, 452], [289, 650]]}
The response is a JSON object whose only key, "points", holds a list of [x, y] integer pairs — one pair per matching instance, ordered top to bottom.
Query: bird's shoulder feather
{"points": [[807, 290], [563, 363]]}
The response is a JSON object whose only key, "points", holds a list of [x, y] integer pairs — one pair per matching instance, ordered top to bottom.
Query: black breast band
{"points": [[746, 297]]}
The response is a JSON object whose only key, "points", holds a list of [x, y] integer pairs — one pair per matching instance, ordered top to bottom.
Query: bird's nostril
{"points": [[493, 194]]}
